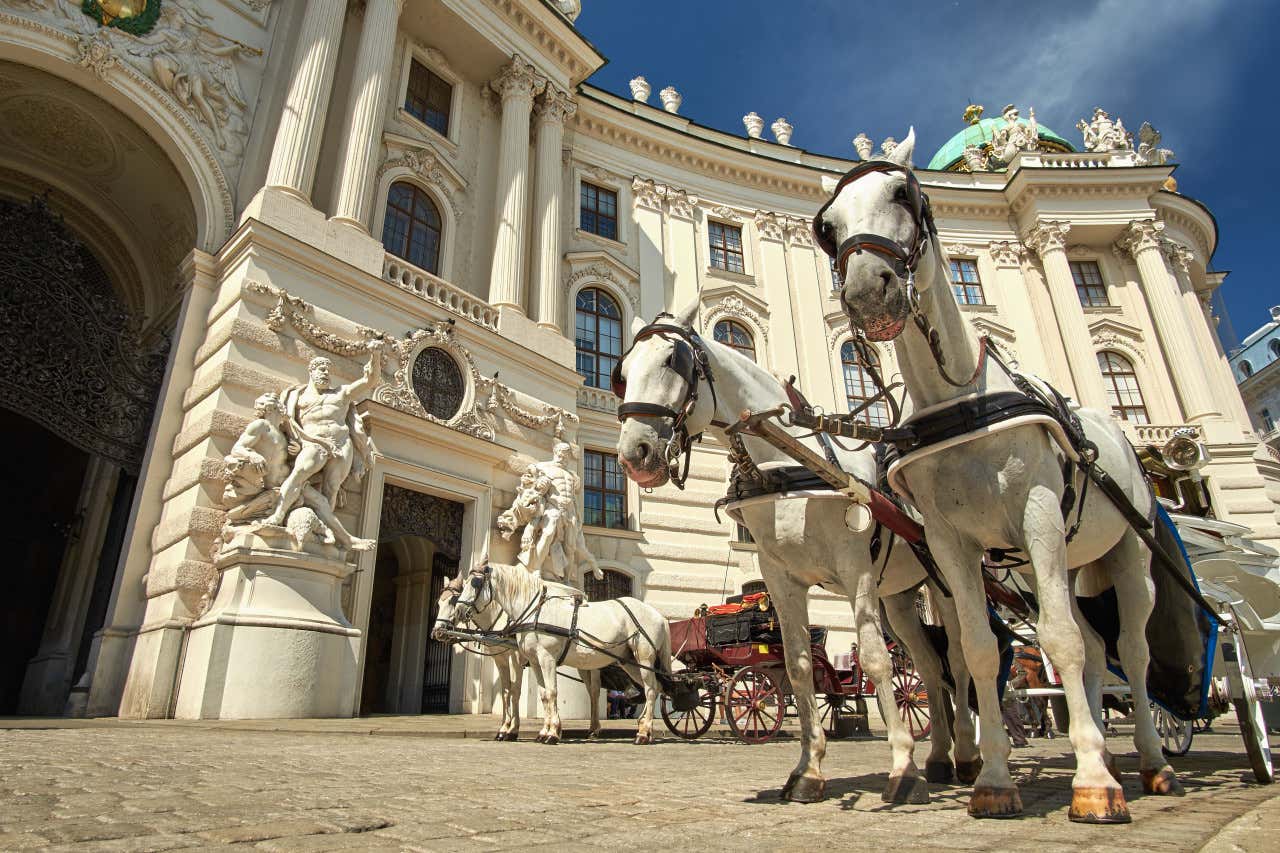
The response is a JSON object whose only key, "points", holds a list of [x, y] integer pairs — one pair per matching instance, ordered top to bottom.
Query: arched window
{"points": [[412, 227], [598, 335], [735, 335], [1274, 346], [1246, 368], [859, 388], [1122, 388], [615, 585]]}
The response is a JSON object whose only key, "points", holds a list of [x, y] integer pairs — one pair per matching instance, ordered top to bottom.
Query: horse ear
{"points": [[901, 154], [686, 315], [637, 323]]}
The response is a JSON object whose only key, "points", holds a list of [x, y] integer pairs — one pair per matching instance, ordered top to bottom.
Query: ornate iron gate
{"points": [[435, 677]]}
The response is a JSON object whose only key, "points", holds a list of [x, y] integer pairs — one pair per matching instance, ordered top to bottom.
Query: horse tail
{"points": [[662, 665]]}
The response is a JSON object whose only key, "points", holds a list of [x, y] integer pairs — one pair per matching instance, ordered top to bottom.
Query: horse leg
{"points": [[1129, 563], [791, 599], [900, 609], [544, 667], [1095, 668], [515, 676], [645, 677], [591, 680], [504, 686], [965, 735], [906, 785], [994, 794], [1096, 797]]}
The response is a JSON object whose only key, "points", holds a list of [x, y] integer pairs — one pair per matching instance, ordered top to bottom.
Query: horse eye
{"points": [[900, 194]]}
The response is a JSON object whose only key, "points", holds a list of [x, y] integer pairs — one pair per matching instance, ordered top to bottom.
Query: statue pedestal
{"points": [[275, 643]]}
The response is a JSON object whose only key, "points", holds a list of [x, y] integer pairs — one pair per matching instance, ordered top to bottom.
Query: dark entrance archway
{"points": [[77, 389], [419, 546]]}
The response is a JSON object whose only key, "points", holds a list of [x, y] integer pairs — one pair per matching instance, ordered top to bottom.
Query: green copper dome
{"points": [[952, 153]]}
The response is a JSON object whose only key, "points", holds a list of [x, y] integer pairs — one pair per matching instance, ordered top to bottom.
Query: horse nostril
{"points": [[886, 280], [643, 449]]}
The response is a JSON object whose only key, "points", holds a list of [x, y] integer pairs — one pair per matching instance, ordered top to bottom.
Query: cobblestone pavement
{"points": [[122, 786]]}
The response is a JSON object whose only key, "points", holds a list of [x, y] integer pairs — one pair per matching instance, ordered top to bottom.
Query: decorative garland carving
{"points": [[425, 163], [728, 214], [599, 273], [733, 306], [292, 310], [1112, 336]]}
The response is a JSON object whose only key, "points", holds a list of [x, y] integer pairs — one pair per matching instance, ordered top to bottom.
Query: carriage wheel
{"points": [[912, 699], [755, 705], [831, 708], [695, 722], [1254, 731], [1175, 734]]}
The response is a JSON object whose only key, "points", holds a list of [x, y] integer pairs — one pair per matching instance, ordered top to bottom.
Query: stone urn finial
{"points": [[571, 9], [640, 89], [671, 99], [754, 125], [782, 131], [863, 145]]}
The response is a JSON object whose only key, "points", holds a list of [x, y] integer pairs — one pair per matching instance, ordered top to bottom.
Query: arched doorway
{"points": [[77, 388]]}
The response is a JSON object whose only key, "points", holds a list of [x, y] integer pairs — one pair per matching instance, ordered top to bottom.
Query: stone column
{"points": [[516, 85], [552, 110], [364, 117], [297, 145], [1049, 241], [1180, 345], [1222, 383]]}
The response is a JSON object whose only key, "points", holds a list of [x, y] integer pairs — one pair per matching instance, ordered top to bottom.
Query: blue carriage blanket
{"points": [[1182, 636]]}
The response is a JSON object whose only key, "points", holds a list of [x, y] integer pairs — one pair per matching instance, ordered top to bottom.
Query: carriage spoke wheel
{"points": [[912, 699], [755, 705], [831, 709], [693, 723], [1253, 728], [1175, 734]]}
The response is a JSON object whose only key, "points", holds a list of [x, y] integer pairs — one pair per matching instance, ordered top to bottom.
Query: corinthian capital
{"points": [[519, 79], [555, 106], [647, 193], [1049, 235], [1140, 236], [1006, 253], [1179, 255]]}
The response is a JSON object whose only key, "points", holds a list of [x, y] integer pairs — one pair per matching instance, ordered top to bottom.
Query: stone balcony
{"points": [[437, 291], [597, 400], [1157, 434]]}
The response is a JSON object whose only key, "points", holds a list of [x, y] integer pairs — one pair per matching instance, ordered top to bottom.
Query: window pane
{"points": [[412, 226]]}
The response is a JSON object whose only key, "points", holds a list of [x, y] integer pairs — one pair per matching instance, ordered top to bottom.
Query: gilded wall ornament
{"points": [[135, 17]]}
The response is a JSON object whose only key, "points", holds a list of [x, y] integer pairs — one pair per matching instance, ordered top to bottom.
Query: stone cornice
{"points": [[541, 27]]}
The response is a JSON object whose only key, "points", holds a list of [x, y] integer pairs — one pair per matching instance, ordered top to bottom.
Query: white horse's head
{"points": [[877, 227], [659, 381], [462, 597], [447, 610]]}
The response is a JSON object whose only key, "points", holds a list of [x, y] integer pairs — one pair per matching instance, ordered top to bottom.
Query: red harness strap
{"points": [[887, 513]]}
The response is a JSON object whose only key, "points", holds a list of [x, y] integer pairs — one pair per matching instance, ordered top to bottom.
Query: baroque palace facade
{"points": [[203, 196]]}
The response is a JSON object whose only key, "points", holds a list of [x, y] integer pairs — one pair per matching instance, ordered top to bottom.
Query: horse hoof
{"points": [[593, 735], [500, 736], [511, 737], [542, 737], [552, 740], [643, 740], [1112, 767], [967, 771], [939, 772], [1162, 783], [803, 789], [906, 789], [994, 802], [1098, 805]]}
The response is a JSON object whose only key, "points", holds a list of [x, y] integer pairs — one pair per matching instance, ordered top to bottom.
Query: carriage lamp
{"points": [[1183, 452]]}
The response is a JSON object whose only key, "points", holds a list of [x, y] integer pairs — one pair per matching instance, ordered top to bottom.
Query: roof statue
{"points": [[1103, 134], [991, 144], [863, 145], [1149, 152]]}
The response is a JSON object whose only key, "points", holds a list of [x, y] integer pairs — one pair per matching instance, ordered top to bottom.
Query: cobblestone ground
{"points": [[154, 787]]}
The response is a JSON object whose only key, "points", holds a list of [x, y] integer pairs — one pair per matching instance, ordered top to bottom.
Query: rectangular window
{"points": [[428, 98], [599, 214], [726, 247], [964, 281], [1089, 285], [1268, 422], [604, 491], [742, 535]]}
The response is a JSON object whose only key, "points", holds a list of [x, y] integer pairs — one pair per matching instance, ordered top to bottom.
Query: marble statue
{"points": [[1102, 134], [1013, 136], [1149, 152], [288, 467], [546, 507]]}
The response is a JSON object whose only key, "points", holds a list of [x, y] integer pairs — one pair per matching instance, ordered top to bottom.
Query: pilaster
{"points": [[552, 110]]}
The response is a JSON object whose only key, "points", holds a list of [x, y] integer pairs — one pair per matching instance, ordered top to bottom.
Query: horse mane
{"points": [[514, 582]]}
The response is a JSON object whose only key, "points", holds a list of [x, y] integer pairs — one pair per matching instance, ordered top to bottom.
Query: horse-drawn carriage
{"points": [[734, 660]]}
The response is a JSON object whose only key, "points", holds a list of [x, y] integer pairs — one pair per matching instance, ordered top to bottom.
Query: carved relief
{"points": [[425, 162], [655, 196], [726, 214], [769, 225], [799, 230], [1006, 253], [599, 273], [733, 306], [1110, 335]]}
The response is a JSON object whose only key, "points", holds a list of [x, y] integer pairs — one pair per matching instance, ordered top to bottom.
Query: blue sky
{"points": [[1203, 72]]}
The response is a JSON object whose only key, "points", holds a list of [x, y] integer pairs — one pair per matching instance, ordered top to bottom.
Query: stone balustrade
{"points": [[1078, 160], [437, 291], [597, 399], [1157, 434]]}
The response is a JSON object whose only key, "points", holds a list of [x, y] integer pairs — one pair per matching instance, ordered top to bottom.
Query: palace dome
{"points": [[951, 154]]}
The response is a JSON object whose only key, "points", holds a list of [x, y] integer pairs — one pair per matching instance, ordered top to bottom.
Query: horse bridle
{"points": [[905, 259], [688, 360], [479, 578]]}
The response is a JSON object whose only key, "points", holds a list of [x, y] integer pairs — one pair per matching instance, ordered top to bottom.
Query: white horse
{"points": [[1002, 489], [802, 542], [625, 631], [508, 661]]}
